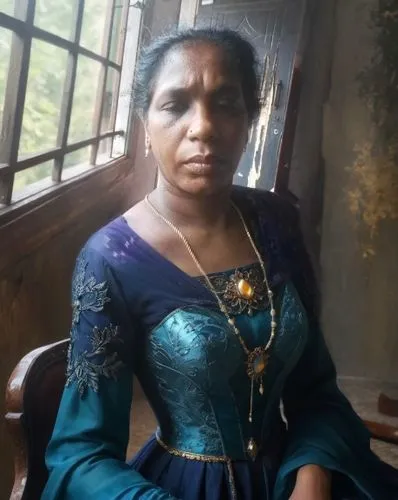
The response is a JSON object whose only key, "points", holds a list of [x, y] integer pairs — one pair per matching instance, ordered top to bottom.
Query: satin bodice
{"points": [[195, 375]]}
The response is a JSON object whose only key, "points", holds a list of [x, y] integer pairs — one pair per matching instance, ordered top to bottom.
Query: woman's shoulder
{"points": [[106, 238], [111, 245]]}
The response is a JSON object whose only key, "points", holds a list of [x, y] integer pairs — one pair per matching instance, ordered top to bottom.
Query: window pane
{"points": [[7, 7], [14, 8], [55, 16], [93, 25], [116, 30], [5, 48], [46, 80], [110, 98], [84, 99], [119, 146], [104, 151], [107, 151], [77, 157], [76, 163], [30, 181]]}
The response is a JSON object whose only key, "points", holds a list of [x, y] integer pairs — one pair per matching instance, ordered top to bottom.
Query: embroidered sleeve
{"points": [[87, 293], [96, 339], [87, 452]]}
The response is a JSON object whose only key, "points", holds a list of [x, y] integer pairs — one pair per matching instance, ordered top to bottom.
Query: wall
{"points": [[345, 192], [360, 273]]}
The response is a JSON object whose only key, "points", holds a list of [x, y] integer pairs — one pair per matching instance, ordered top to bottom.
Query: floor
{"points": [[363, 396]]}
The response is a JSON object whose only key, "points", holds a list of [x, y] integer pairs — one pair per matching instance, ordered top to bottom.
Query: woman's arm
{"points": [[86, 455], [312, 483]]}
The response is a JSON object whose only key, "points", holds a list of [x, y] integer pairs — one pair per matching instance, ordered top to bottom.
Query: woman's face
{"points": [[197, 121]]}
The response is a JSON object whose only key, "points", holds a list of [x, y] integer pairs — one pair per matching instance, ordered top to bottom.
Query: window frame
{"points": [[23, 32]]}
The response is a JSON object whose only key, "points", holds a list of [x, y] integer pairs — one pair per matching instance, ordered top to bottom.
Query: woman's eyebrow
{"points": [[227, 88], [173, 92], [181, 92]]}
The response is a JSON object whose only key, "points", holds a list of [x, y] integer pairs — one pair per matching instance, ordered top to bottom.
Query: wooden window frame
{"points": [[23, 32]]}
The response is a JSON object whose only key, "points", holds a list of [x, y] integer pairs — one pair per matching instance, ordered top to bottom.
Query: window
{"points": [[65, 81]]}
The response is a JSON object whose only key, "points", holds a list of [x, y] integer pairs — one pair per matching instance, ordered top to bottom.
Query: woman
{"points": [[205, 292]]}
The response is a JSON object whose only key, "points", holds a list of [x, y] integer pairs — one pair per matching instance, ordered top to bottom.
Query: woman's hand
{"points": [[312, 483]]}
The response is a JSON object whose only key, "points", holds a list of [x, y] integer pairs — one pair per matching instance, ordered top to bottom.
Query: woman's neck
{"points": [[203, 213]]}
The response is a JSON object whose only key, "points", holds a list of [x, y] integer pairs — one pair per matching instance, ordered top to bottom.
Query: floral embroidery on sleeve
{"points": [[87, 293], [93, 351], [101, 359]]}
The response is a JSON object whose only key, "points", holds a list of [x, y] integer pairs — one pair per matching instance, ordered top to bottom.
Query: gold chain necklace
{"points": [[257, 359]]}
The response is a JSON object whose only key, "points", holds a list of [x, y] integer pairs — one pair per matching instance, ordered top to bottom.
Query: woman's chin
{"points": [[205, 186]]}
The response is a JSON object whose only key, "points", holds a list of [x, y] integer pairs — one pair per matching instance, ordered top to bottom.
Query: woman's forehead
{"points": [[189, 65]]}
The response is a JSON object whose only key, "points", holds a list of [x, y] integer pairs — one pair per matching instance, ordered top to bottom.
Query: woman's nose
{"points": [[202, 127]]}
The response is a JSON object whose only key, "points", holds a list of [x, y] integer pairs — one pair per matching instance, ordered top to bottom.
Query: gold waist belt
{"points": [[204, 458]]}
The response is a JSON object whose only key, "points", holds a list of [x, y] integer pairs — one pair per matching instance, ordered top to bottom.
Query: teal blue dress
{"points": [[134, 312]]}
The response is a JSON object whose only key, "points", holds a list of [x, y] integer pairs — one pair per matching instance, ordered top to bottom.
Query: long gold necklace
{"points": [[257, 359]]}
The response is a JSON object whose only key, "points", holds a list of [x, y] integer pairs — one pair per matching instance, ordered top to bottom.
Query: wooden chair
{"points": [[33, 395], [32, 399], [388, 406]]}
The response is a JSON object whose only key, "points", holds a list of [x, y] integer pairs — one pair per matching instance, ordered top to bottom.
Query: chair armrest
{"points": [[25, 376], [382, 432]]}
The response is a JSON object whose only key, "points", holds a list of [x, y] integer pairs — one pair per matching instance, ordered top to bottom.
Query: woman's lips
{"points": [[204, 164], [200, 168]]}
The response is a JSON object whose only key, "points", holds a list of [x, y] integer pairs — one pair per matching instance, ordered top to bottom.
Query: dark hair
{"points": [[239, 51]]}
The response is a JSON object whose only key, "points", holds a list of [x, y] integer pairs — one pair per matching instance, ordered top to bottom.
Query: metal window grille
{"points": [[24, 31]]}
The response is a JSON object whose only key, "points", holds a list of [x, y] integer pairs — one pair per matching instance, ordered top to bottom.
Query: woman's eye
{"points": [[224, 102], [229, 102], [173, 107]]}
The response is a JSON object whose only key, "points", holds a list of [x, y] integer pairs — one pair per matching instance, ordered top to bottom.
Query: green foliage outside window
{"points": [[46, 81]]}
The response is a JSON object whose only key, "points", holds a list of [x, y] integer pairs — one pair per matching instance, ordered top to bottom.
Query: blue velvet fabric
{"points": [[136, 312]]}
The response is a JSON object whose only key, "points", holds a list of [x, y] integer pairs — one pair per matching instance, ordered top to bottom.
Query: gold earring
{"points": [[147, 146]]}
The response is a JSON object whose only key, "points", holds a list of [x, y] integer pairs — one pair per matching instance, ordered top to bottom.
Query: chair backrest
{"points": [[33, 395]]}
